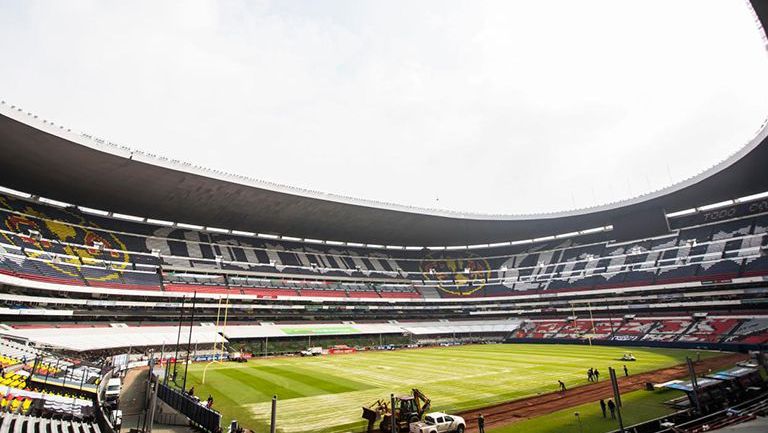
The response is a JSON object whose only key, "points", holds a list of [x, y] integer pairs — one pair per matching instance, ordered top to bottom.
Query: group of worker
{"points": [[593, 375], [208, 402], [610, 406]]}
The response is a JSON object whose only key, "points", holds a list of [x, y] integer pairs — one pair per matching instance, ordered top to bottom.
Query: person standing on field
{"points": [[626, 372], [597, 375], [602, 406], [612, 408], [481, 423]]}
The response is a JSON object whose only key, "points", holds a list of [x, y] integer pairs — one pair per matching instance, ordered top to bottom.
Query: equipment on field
{"points": [[312, 351], [239, 357], [628, 357], [408, 409]]}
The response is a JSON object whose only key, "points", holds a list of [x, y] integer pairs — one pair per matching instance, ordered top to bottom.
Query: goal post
{"points": [[218, 351]]}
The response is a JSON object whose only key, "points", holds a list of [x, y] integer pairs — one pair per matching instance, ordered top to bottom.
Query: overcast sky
{"points": [[482, 106]]}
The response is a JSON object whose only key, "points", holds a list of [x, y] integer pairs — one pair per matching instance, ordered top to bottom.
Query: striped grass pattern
{"points": [[325, 394]]}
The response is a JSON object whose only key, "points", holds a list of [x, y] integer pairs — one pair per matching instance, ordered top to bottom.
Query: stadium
{"points": [[169, 296]]}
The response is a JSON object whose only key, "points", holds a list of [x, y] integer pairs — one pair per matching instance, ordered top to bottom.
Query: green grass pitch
{"points": [[325, 394]]}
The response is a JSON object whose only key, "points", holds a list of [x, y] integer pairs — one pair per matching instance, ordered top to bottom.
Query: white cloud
{"points": [[495, 107]]}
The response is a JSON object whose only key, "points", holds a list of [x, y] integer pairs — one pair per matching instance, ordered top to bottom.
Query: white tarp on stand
{"points": [[87, 338]]}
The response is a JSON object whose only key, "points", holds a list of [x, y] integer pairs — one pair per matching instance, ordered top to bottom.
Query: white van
{"points": [[112, 393]]}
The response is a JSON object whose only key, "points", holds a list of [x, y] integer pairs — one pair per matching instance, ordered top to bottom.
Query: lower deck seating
{"points": [[198, 288], [269, 293], [323, 293], [362, 294], [400, 295], [594, 328], [541, 329], [633, 329], [661, 329], [710, 330], [752, 331], [7, 361], [13, 380], [19, 394], [11, 403], [20, 423]]}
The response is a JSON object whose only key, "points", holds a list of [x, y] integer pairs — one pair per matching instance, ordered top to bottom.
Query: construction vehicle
{"points": [[408, 409]]}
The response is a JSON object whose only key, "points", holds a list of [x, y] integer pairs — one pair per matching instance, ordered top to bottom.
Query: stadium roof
{"points": [[51, 161]]}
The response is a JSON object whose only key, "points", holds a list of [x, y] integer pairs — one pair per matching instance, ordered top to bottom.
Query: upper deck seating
{"points": [[66, 246]]}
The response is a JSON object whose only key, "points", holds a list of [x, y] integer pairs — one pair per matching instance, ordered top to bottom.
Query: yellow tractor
{"points": [[408, 409]]}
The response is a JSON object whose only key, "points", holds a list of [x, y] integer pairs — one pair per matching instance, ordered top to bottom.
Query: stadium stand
{"points": [[66, 246], [747, 330], [736, 332], [41, 392]]}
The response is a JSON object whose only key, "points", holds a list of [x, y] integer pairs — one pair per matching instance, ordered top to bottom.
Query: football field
{"points": [[325, 393]]}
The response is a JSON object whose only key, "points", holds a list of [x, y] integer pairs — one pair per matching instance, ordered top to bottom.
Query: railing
{"points": [[101, 418], [207, 419], [684, 423]]}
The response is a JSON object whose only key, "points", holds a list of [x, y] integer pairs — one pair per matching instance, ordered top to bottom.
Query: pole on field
{"points": [[218, 312], [610, 318], [592, 320], [224, 328], [178, 340], [189, 342], [218, 353], [167, 366], [694, 384], [615, 386], [616, 397], [273, 419], [392, 420]]}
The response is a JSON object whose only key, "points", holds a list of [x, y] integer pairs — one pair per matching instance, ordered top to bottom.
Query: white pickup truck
{"points": [[312, 351], [112, 392], [438, 422]]}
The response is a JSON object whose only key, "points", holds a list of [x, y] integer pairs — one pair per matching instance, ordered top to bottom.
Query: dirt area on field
{"points": [[507, 413]]}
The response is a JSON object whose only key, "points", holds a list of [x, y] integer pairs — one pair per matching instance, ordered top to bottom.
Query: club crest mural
{"points": [[71, 240], [458, 276]]}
